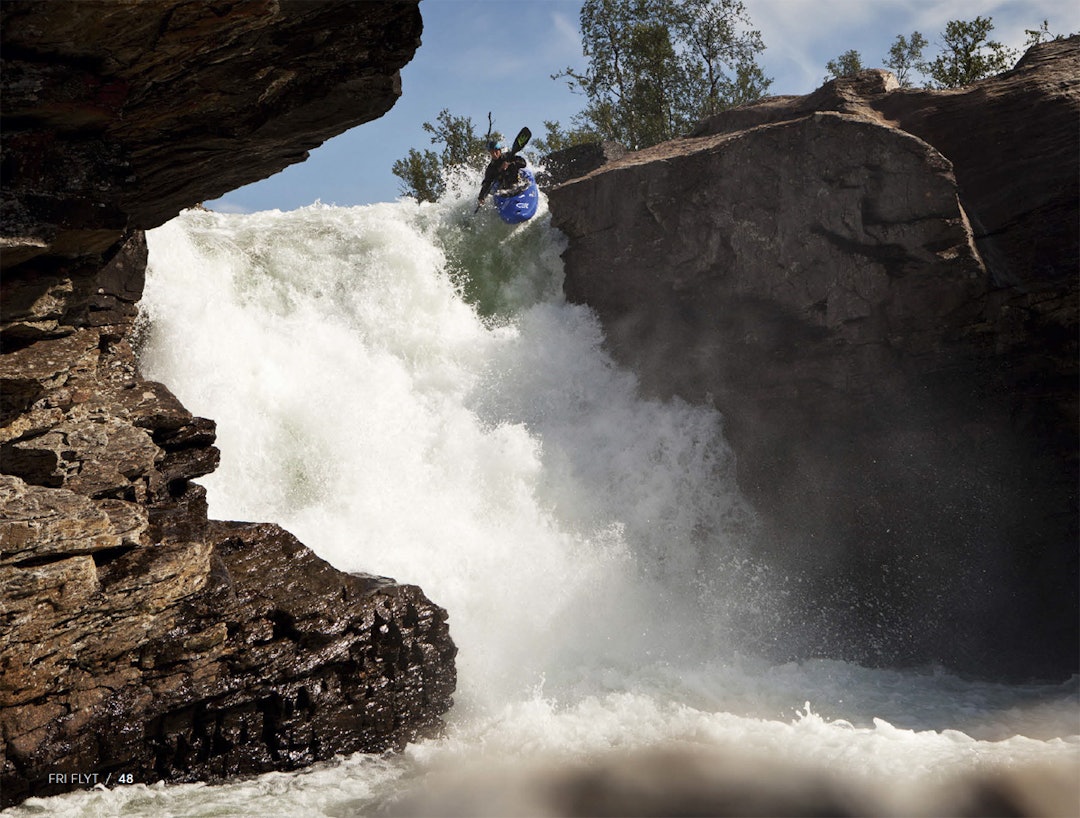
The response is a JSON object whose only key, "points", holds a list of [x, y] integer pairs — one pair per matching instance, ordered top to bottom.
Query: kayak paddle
{"points": [[521, 140]]}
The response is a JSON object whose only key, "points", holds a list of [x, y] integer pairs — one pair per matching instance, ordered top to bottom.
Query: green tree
{"points": [[1040, 35], [717, 36], [967, 55], [905, 56], [847, 64], [656, 67], [748, 85], [653, 107], [556, 139], [423, 174]]}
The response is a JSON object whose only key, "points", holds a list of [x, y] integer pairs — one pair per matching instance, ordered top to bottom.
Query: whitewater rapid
{"points": [[405, 389]]}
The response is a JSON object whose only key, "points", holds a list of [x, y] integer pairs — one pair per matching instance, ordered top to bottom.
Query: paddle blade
{"points": [[521, 140]]}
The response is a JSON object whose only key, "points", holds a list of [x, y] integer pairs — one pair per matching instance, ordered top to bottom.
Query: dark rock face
{"points": [[116, 118], [878, 290], [138, 636]]}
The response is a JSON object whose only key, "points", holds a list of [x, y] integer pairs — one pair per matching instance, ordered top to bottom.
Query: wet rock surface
{"points": [[877, 289], [140, 637]]}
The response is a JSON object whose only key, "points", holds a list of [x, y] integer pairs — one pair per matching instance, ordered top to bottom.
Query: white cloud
{"points": [[567, 36]]}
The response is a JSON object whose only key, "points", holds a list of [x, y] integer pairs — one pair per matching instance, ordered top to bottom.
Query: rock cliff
{"points": [[878, 290], [139, 637]]}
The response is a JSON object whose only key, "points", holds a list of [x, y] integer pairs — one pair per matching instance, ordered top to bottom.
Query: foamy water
{"points": [[404, 388]]}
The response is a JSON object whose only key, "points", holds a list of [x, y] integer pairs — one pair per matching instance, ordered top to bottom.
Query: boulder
{"points": [[852, 279], [140, 636], [239, 653]]}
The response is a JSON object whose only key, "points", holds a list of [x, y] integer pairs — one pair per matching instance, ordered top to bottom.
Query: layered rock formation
{"points": [[878, 290], [140, 638]]}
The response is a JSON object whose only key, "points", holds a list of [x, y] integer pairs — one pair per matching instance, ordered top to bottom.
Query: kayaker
{"points": [[503, 168]]}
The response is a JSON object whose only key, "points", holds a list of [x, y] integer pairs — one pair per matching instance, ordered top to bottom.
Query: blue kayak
{"points": [[521, 204]]}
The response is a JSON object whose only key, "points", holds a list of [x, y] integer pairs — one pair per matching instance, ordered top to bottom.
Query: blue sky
{"points": [[498, 55]]}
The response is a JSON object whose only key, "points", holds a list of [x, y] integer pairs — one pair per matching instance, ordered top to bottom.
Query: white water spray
{"points": [[404, 388]]}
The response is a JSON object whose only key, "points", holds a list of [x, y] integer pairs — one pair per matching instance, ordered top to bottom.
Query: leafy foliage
{"points": [[1041, 35], [968, 55], [905, 56], [848, 63], [657, 67], [556, 139], [423, 174], [420, 175]]}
